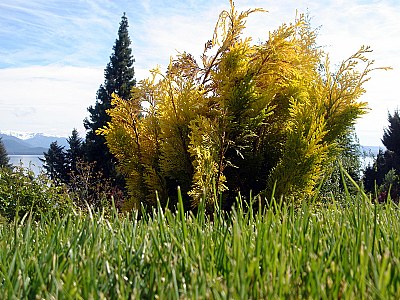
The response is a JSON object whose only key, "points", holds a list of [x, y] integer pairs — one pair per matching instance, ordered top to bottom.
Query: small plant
{"points": [[88, 187], [389, 190]]}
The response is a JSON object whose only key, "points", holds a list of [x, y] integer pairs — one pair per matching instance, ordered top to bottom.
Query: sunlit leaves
{"points": [[249, 118]]}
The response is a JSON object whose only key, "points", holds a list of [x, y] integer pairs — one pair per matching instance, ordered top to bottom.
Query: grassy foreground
{"points": [[334, 251]]}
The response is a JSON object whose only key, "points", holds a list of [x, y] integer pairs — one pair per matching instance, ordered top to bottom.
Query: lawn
{"points": [[348, 249]]}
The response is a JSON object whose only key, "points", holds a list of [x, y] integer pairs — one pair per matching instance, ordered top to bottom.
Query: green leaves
{"points": [[22, 193]]}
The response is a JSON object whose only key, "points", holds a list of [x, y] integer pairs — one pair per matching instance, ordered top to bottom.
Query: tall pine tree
{"points": [[119, 79]]}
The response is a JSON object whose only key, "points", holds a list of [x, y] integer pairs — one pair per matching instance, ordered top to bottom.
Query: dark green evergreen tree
{"points": [[119, 79], [391, 135], [391, 140], [76, 150], [4, 159], [55, 163], [376, 177], [369, 179]]}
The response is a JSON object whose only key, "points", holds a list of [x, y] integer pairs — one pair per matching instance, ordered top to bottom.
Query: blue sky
{"points": [[53, 53]]}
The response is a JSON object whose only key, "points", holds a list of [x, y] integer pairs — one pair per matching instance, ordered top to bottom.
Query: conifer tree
{"points": [[119, 80], [391, 135], [391, 140], [75, 151], [4, 159], [388, 160], [55, 163]]}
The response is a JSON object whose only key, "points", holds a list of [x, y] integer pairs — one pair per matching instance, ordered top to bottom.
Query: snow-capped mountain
{"points": [[20, 135], [18, 143]]}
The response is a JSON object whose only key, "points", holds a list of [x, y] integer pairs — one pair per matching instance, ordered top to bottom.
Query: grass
{"points": [[339, 250]]}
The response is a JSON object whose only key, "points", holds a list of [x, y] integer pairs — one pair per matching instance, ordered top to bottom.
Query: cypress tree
{"points": [[119, 79], [258, 119]]}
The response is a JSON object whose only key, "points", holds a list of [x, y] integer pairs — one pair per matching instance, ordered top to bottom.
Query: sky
{"points": [[53, 53]]}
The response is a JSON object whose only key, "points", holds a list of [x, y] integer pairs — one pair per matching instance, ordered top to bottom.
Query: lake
{"points": [[27, 161], [36, 165]]}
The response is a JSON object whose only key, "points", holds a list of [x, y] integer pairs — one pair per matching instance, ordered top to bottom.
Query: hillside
{"points": [[36, 144]]}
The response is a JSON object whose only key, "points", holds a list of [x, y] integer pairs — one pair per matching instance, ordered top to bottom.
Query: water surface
{"points": [[27, 161]]}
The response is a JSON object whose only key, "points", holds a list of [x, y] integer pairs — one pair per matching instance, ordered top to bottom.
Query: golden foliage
{"points": [[250, 117]]}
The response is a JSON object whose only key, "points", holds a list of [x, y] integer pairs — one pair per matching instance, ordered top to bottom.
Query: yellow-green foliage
{"points": [[248, 118]]}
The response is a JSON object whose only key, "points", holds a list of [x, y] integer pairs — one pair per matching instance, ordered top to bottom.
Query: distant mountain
{"points": [[17, 134], [40, 140], [33, 144], [18, 148]]}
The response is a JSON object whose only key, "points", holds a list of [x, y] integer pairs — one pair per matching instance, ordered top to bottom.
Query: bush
{"points": [[263, 119], [88, 187], [21, 192]]}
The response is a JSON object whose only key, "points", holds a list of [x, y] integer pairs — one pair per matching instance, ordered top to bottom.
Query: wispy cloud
{"points": [[43, 32], [50, 99]]}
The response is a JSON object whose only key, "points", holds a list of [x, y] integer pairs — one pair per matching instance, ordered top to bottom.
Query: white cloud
{"points": [[348, 25], [50, 99]]}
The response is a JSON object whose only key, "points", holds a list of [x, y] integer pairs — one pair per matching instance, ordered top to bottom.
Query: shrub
{"points": [[265, 118], [88, 187], [21, 192]]}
